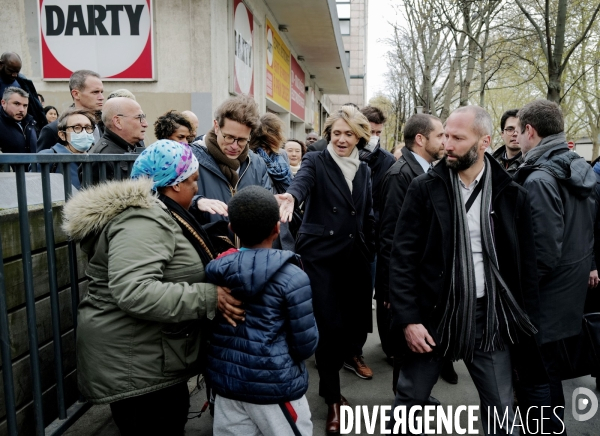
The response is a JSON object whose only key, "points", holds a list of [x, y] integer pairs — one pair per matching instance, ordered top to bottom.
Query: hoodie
{"points": [[561, 186], [261, 360]]}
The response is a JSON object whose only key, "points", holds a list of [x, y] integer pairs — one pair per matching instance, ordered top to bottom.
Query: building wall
{"points": [[356, 44], [193, 45]]}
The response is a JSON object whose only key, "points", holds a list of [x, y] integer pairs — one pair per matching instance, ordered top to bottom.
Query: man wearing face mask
{"points": [[75, 135], [379, 161]]}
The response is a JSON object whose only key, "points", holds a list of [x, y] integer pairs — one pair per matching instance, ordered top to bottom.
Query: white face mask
{"points": [[82, 141], [372, 143]]}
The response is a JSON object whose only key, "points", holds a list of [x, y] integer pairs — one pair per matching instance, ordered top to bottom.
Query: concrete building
{"points": [[353, 17], [188, 54]]}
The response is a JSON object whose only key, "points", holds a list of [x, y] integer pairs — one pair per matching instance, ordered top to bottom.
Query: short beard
{"points": [[465, 161]]}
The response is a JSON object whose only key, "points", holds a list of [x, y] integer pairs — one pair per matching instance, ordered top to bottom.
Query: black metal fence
{"points": [[92, 168]]}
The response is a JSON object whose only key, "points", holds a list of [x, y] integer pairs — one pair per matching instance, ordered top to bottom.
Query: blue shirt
{"points": [[61, 149]]}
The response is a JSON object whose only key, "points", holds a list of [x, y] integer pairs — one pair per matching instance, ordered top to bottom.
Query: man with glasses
{"points": [[124, 128], [509, 155], [226, 162]]}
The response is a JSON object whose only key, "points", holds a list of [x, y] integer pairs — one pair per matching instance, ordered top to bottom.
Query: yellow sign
{"points": [[278, 69]]}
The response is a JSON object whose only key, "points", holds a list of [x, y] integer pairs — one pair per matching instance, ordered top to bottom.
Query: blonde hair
{"points": [[358, 123], [268, 134]]}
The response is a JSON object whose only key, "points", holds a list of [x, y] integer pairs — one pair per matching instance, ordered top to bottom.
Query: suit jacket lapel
{"points": [[412, 163], [336, 176]]}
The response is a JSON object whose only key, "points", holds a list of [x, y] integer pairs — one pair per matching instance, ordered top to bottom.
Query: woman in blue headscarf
{"points": [[140, 325]]}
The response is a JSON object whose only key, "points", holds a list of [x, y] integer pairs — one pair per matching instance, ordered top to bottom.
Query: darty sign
{"points": [[243, 28], [111, 37]]}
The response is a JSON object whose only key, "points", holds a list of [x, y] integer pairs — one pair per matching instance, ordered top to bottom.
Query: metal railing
{"points": [[91, 167]]}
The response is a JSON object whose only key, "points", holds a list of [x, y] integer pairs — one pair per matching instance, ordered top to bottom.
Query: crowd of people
{"points": [[239, 253]]}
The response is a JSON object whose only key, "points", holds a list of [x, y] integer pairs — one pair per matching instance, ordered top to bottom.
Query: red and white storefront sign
{"points": [[243, 28], [111, 37]]}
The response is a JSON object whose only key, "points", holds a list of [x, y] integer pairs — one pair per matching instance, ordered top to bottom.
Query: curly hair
{"points": [[241, 109], [166, 124], [268, 134]]}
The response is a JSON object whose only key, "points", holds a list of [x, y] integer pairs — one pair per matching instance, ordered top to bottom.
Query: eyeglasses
{"points": [[140, 117], [78, 129], [509, 129], [231, 139]]}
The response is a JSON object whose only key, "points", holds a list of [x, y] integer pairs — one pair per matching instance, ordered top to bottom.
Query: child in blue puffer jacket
{"points": [[256, 368]]}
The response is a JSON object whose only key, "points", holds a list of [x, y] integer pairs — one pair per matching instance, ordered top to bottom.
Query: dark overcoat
{"points": [[393, 191], [563, 204], [335, 241], [421, 257]]}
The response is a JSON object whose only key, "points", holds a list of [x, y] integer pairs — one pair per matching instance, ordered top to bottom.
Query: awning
{"points": [[314, 33]]}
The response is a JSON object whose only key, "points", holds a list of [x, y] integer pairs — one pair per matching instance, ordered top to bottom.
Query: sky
{"points": [[380, 13]]}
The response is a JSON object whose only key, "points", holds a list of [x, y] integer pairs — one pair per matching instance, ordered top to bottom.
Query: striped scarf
{"points": [[504, 318]]}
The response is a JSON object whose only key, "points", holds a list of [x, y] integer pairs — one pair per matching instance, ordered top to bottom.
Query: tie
{"points": [[430, 168]]}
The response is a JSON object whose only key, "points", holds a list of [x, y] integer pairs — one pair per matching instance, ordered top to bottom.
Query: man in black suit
{"points": [[423, 135]]}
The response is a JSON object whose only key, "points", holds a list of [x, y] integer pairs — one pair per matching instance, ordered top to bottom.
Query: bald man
{"points": [[10, 67], [193, 119], [124, 129]]}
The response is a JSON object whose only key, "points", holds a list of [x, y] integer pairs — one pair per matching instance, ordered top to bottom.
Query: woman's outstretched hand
{"points": [[286, 206], [229, 306]]}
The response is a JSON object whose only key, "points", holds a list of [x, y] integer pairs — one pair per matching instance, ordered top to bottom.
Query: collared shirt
{"points": [[424, 164], [474, 222]]}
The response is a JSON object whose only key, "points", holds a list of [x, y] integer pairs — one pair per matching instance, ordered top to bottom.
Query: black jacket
{"points": [[35, 108], [48, 136], [15, 139], [111, 143], [320, 145], [379, 162], [510, 165], [561, 189], [393, 190], [335, 239], [422, 252]]}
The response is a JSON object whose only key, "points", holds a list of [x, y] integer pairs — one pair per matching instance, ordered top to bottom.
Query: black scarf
{"points": [[192, 230], [504, 318]]}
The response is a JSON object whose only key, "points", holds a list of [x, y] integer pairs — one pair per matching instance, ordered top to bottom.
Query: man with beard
{"points": [[10, 75], [87, 93], [509, 155], [466, 285]]}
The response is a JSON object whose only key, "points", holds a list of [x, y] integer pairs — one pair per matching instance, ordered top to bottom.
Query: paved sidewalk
{"points": [[378, 391]]}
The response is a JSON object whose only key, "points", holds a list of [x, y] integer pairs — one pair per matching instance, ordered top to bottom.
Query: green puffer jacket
{"points": [[139, 325]]}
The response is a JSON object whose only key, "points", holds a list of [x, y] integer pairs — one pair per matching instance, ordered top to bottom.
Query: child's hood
{"points": [[247, 272]]}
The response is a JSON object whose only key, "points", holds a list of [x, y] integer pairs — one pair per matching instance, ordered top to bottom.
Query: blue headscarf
{"points": [[166, 162]]}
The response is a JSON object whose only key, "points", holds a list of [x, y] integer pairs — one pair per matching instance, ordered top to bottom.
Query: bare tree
{"points": [[552, 37], [421, 51]]}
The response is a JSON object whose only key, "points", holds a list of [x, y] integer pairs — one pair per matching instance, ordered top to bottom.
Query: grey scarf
{"points": [[546, 144], [504, 317]]}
